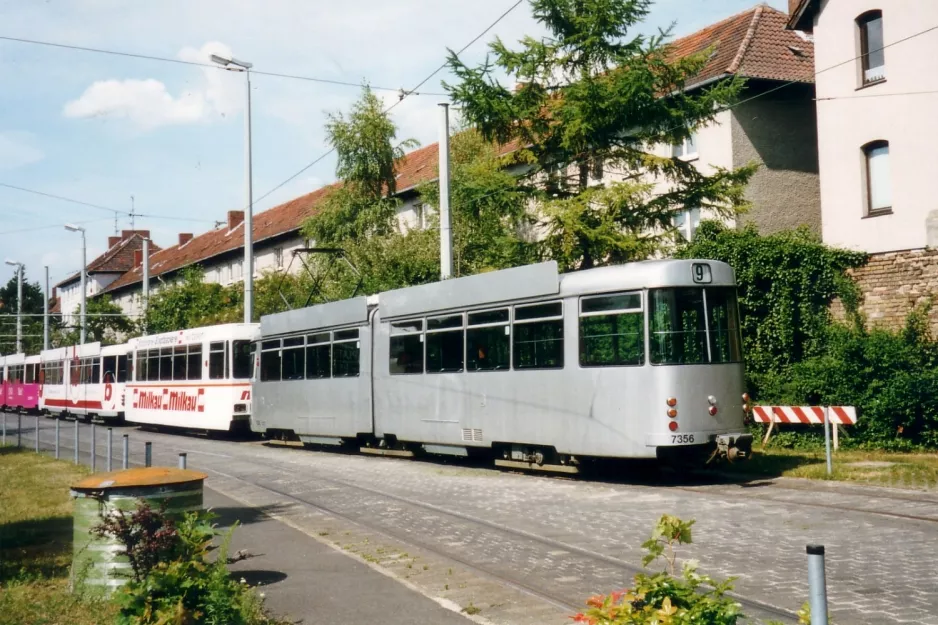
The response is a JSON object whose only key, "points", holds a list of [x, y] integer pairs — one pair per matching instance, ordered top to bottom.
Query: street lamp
{"points": [[235, 65], [74, 228], [19, 304]]}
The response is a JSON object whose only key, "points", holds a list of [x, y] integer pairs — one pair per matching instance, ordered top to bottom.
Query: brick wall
{"points": [[893, 283]]}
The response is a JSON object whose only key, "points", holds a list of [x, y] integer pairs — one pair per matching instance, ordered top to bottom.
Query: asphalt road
{"points": [[522, 549]]}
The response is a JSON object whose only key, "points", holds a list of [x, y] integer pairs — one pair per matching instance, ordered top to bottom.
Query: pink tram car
{"points": [[19, 389]]}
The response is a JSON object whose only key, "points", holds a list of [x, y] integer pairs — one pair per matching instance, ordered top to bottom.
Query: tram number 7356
{"points": [[682, 439]]}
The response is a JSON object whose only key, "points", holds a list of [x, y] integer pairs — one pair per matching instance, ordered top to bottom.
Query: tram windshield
{"points": [[692, 325]]}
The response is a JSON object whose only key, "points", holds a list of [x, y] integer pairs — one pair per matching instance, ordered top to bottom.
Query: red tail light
{"points": [[672, 425]]}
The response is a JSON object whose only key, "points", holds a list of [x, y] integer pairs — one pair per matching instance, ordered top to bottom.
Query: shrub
{"points": [[891, 377], [174, 581]]}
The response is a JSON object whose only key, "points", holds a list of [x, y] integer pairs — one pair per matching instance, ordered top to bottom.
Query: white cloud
{"points": [[149, 104], [17, 149]]}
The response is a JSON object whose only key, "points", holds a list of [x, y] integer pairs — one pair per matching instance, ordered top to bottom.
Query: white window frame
{"points": [[687, 149], [688, 229]]}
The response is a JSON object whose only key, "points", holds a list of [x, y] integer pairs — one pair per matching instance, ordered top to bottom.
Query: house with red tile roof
{"points": [[773, 126], [120, 256]]}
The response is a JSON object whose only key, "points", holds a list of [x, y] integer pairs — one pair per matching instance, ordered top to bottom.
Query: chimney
{"points": [[235, 218], [126, 234], [184, 237], [112, 241], [138, 258]]}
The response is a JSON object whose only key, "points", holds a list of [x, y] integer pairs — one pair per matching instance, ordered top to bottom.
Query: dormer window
{"points": [[872, 55]]}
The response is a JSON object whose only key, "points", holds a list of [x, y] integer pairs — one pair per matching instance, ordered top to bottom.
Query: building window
{"points": [[872, 55], [687, 149], [878, 178], [420, 216], [686, 222], [278, 257]]}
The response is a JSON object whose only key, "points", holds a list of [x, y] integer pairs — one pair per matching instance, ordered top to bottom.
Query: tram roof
{"points": [[497, 288], [246, 331]]}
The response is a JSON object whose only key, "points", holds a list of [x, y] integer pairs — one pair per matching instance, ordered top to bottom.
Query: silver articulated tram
{"points": [[539, 369]]}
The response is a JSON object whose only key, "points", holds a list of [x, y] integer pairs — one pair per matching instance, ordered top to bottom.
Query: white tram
{"points": [[633, 361], [194, 379], [84, 381]]}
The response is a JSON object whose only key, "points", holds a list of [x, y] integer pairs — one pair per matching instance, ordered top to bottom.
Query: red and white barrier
{"points": [[803, 415], [840, 415]]}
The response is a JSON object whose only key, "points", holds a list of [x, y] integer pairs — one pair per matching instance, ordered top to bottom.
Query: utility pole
{"points": [[234, 65], [446, 234], [84, 251], [146, 277], [19, 304], [45, 313]]}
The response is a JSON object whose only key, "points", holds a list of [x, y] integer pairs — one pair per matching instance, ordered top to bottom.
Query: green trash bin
{"points": [[97, 563]]}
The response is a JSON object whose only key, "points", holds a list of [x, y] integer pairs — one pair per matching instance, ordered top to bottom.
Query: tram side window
{"points": [[678, 326], [612, 330], [538, 336], [488, 341], [406, 347], [445, 347], [346, 353], [318, 356], [294, 358], [217, 361], [270, 361], [179, 362], [194, 362], [166, 363], [109, 364], [153, 365], [94, 371], [140, 371], [122, 372], [30, 376]]}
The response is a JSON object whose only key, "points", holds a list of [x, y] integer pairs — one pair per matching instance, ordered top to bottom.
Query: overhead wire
{"points": [[166, 59], [401, 99], [99, 207]]}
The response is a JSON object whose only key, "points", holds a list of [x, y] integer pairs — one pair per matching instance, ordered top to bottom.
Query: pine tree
{"points": [[591, 102]]}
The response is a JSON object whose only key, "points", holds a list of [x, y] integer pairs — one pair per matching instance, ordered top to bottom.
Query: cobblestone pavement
{"points": [[529, 549]]}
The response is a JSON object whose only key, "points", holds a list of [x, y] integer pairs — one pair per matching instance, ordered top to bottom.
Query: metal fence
{"points": [[85, 443]]}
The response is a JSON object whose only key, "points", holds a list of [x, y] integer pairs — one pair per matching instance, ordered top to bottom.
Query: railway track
{"points": [[567, 598]]}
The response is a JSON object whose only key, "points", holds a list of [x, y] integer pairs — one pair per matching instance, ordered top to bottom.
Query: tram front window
{"points": [[680, 319], [243, 360]]}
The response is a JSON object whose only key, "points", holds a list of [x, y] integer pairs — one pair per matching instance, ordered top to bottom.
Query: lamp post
{"points": [[235, 65], [74, 228], [19, 304]]}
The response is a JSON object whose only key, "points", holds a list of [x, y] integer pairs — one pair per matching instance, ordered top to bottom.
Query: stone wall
{"points": [[893, 283]]}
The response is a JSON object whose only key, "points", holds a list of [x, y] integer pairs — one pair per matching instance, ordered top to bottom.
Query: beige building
{"points": [[877, 97]]}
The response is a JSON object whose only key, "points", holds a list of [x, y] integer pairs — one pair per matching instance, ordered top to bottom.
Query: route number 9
{"points": [[702, 274]]}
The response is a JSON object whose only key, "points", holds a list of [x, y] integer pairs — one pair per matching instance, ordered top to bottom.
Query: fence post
{"points": [[57, 428], [19, 430], [37, 434], [827, 439], [76, 441], [94, 444], [110, 449], [125, 453], [148, 454], [182, 461], [817, 584]]}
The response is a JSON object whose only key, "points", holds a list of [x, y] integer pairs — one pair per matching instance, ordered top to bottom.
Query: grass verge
{"points": [[879, 468], [36, 544]]}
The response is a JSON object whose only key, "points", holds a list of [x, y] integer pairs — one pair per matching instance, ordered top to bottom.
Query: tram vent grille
{"points": [[472, 435]]}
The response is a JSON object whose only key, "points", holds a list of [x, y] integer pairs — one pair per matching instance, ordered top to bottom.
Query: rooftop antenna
{"points": [[132, 214], [116, 229]]}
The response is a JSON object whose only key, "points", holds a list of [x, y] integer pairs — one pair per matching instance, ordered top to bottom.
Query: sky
{"points": [[101, 128]]}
